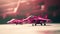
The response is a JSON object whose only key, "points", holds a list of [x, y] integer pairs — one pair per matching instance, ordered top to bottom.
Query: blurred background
{"points": [[23, 8]]}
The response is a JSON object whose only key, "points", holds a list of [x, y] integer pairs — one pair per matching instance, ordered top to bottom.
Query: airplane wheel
{"points": [[35, 24], [41, 24], [44, 24]]}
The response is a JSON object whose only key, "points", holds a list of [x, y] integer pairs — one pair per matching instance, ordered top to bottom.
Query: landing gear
{"points": [[41, 22], [35, 24], [44, 24]]}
